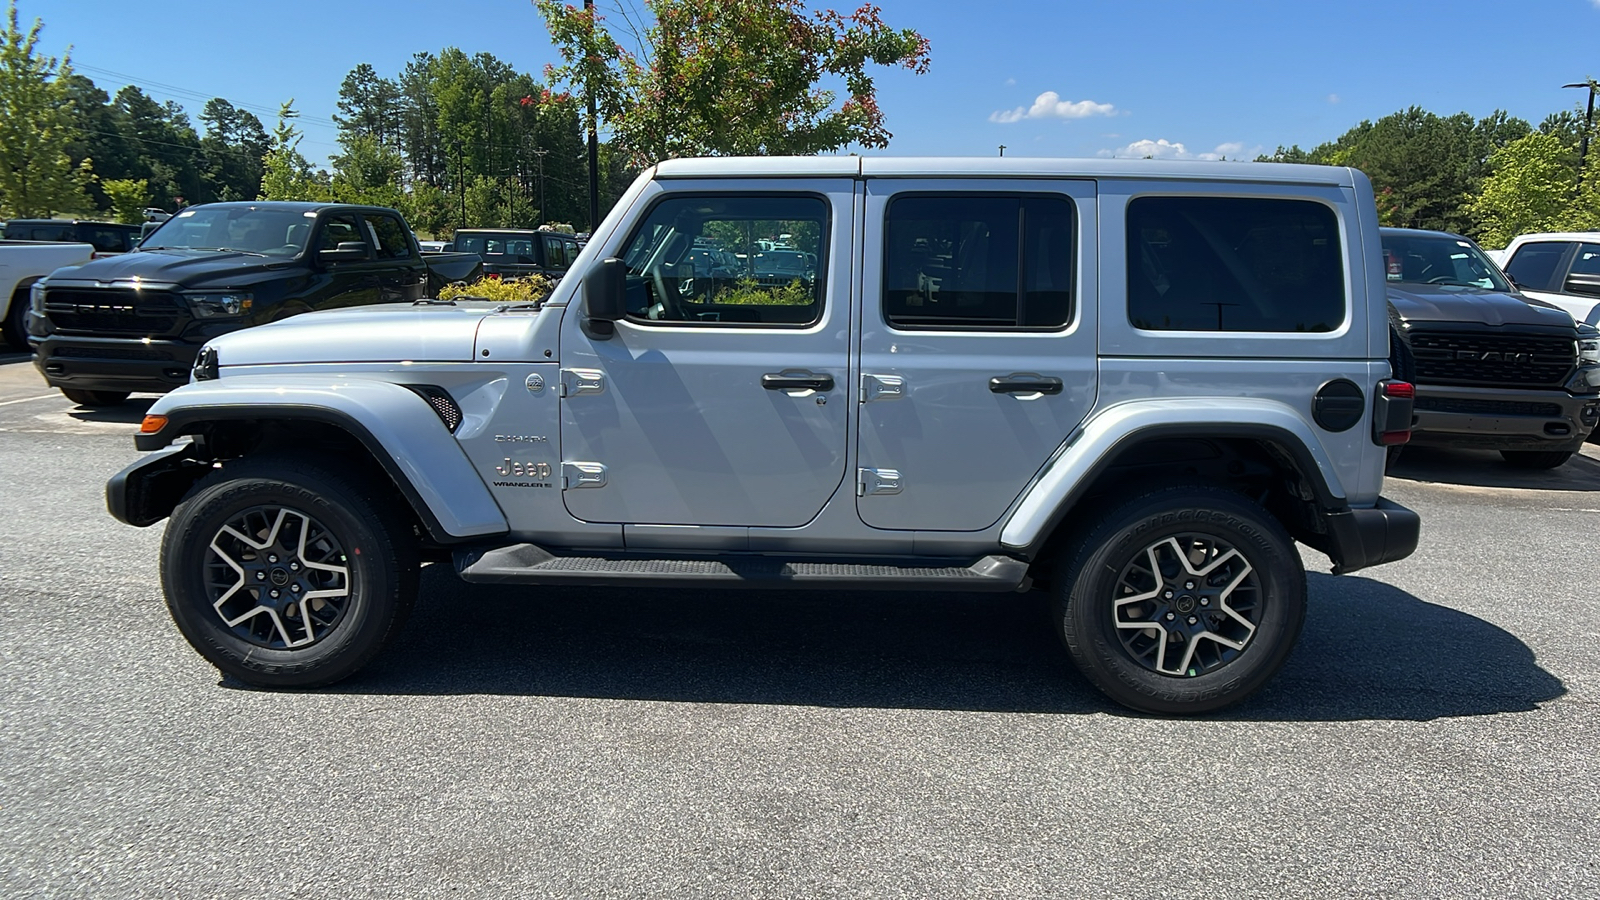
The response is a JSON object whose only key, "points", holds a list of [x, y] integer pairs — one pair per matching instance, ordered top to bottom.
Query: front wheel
{"points": [[1536, 459], [283, 573], [1184, 600]]}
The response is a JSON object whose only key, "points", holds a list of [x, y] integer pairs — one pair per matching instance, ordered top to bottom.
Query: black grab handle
{"points": [[785, 381], [1025, 384]]}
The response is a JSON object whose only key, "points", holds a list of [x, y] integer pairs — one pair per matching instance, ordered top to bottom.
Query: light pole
{"points": [[1588, 125], [461, 181]]}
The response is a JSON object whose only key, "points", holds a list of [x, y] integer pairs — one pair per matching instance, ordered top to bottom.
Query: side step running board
{"points": [[530, 564]]}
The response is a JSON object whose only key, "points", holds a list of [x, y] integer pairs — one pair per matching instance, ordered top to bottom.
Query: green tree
{"points": [[733, 77], [369, 106], [37, 127], [166, 147], [232, 151], [367, 172], [286, 175], [1532, 189], [129, 198]]}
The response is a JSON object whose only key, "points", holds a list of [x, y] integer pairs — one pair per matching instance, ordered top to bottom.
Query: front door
{"points": [[977, 344], [723, 398]]}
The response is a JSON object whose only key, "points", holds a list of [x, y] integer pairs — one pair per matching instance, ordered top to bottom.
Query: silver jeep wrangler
{"points": [[1132, 385]]}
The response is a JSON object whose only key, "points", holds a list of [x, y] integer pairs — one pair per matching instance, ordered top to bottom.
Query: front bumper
{"points": [[114, 364], [1502, 418]]}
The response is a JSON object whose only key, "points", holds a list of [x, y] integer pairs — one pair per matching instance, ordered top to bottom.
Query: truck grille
{"points": [[112, 310], [1505, 360], [1487, 407]]}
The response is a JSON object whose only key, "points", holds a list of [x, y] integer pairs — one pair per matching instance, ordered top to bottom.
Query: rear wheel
{"points": [[15, 325], [94, 398], [1536, 459], [283, 573], [1184, 600]]}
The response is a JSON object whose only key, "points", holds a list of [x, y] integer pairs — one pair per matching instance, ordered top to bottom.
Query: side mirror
{"points": [[347, 251], [1580, 283], [605, 296]]}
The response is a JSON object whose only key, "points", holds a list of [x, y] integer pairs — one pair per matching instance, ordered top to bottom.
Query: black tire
{"points": [[15, 325], [95, 398], [1391, 456], [1536, 459], [350, 523], [1270, 595]]}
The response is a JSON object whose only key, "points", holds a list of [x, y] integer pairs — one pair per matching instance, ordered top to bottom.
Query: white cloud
{"points": [[1011, 82], [1334, 98], [1049, 105], [1162, 148]]}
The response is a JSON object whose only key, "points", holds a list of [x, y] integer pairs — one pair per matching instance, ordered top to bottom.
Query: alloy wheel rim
{"points": [[277, 578], [1187, 605]]}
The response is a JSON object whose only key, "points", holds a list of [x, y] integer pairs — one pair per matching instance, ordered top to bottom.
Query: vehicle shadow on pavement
{"points": [[129, 412], [1485, 468], [1369, 651]]}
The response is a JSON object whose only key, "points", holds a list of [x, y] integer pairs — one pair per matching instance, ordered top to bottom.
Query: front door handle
{"points": [[796, 381], [1024, 383]]}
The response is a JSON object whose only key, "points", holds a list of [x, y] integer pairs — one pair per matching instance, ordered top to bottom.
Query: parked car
{"points": [[106, 237], [434, 246], [515, 252], [22, 265], [1561, 268], [135, 322], [1493, 370], [1130, 383]]}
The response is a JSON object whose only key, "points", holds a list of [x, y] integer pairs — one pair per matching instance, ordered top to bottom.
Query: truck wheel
{"points": [[15, 325], [95, 398], [1536, 459], [284, 573], [1184, 600]]}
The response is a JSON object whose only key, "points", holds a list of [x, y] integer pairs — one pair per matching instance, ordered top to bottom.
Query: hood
{"points": [[180, 267], [1440, 303], [389, 333]]}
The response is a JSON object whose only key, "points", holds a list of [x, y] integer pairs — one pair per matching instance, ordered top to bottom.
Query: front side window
{"points": [[338, 230], [555, 256], [749, 260], [1438, 260], [978, 262], [1234, 264], [1534, 266]]}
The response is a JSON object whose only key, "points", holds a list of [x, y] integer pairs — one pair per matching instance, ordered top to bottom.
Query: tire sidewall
{"points": [[370, 612], [1087, 619]]}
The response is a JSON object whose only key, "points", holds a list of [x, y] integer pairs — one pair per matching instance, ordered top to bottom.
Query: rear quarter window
{"points": [[1232, 264], [1534, 265]]}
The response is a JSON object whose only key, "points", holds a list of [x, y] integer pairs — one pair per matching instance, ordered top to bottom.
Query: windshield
{"points": [[270, 231], [495, 244], [1440, 260]]}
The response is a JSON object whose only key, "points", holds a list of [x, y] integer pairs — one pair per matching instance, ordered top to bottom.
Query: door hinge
{"points": [[575, 382], [882, 387], [576, 475], [878, 481]]}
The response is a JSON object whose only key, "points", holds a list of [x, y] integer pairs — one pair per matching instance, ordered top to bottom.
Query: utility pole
{"points": [[1588, 125], [594, 144], [1002, 149], [540, 153], [461, 181]]}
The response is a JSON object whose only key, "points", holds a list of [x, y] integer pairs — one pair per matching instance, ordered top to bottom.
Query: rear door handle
{"points": [[796, 381], [1024, 383]]}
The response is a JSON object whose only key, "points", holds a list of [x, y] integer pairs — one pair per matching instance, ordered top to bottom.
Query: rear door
{"points": [[402, 277], [977, 327]]}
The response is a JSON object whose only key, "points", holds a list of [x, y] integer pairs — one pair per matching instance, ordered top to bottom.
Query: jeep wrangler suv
{"points": [[1133, 385]]}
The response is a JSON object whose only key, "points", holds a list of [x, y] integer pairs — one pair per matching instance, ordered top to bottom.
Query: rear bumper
{"points": [[114, 364], [1502, 418], [1359, 538]]}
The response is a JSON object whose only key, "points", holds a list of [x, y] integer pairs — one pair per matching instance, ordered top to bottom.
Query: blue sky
{"points": [[1133, 77]]}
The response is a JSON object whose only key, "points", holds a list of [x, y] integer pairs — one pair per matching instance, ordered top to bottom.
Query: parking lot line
{"points": [[28, 399]]}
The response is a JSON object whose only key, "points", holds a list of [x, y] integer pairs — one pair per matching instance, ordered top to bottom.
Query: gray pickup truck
{"points": [[1131, 385]]}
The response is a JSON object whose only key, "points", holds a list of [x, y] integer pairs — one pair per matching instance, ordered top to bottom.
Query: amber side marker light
{"points": [[152, 424]]}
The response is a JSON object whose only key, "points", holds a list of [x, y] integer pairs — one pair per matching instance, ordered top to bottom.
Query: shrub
{"points": [[506, 290]]}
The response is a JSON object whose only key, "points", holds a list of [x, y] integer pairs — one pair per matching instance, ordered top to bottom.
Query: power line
{"points": [[191, 94]]}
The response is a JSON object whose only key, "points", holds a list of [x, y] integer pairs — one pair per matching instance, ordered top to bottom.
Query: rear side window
{"points": [[391, 235], [555, 256], [978, 262], [1234, 264], [1534, 266]]}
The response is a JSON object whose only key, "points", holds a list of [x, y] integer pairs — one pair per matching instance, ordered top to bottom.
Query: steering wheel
{"points": [[1440, 279], [668, 299]]}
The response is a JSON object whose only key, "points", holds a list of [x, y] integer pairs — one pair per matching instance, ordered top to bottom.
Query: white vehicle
{"points": [[22, 263], [1560, 268]]}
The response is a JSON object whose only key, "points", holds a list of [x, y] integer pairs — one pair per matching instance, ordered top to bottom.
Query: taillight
{"points": [[494, 275], [1391, 413]]}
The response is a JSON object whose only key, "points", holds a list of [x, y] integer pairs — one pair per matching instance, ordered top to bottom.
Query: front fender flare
{"points": [[399, 429], [1098, 441]]}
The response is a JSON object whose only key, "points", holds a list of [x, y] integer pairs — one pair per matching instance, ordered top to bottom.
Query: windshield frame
{"points": [[1395, 266]]}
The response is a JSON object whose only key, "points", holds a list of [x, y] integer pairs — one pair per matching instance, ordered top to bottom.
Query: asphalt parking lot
{"points": [[1432, 736]]}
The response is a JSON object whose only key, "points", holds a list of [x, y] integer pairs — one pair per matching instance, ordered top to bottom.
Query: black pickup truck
{"points": [[135, 322], [1493, 369]]}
